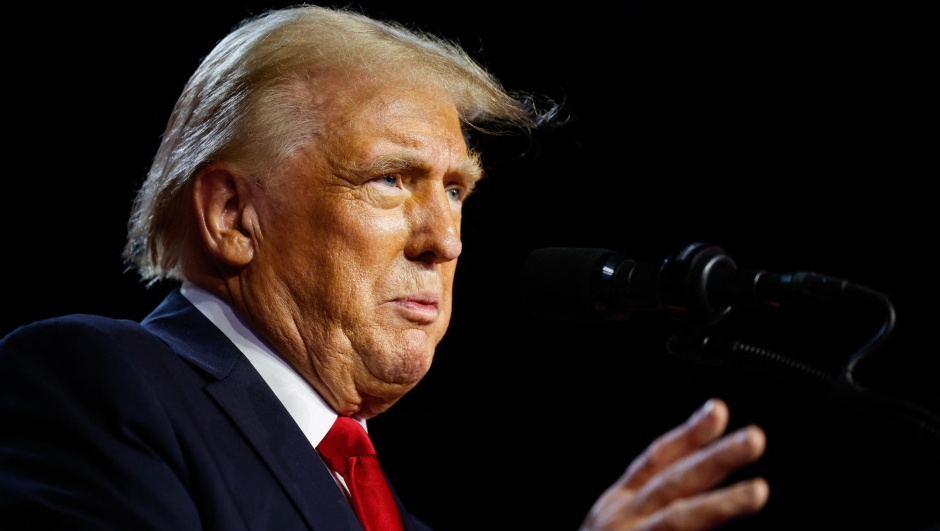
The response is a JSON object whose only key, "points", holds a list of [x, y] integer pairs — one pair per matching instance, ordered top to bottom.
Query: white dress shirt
{"points": [[312, 414]]}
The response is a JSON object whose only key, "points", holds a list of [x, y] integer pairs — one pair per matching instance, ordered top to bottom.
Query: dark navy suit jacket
{"points": [[109, 424]]}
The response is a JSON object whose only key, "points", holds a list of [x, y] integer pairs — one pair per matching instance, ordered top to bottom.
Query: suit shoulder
{"points": [[75, 324], [77, 334], [82, 348], [84, 412]]}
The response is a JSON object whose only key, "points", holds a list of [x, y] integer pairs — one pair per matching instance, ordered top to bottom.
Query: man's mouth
{"points": [[422, 307]]}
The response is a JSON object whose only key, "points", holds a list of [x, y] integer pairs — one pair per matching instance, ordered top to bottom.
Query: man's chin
{"points": [[406, 365]]}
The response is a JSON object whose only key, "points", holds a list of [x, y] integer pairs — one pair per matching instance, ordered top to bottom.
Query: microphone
{"points": [[699, 284]]}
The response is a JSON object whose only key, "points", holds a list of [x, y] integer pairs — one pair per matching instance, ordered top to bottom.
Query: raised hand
{"points": [[666, 487]]}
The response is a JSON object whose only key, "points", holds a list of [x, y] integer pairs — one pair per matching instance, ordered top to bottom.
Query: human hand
{"points": [[666, 487]]}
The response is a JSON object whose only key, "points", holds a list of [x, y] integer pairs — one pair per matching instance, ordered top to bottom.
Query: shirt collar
{"points": [[311, 413]]}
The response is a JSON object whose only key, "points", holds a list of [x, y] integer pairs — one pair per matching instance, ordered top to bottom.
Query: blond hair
{"points": [[251, 103]]}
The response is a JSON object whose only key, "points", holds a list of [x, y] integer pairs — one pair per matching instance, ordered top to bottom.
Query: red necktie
{"points": [[346, 449]]}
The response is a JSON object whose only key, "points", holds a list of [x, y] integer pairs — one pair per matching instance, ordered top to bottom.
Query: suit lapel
{"points": [[256, 411]]}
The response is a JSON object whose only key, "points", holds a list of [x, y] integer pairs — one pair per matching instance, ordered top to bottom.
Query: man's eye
{"points": [[388, 180], [453, 194]]}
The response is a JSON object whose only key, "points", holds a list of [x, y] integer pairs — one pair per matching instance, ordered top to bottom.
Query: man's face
{"points": [[359, 237]]}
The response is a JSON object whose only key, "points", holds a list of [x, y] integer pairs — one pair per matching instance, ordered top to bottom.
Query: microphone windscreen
{"points": [[558, 283]]}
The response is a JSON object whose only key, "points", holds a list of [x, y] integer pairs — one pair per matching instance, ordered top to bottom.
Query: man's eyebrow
{"points": [[469, 169]]}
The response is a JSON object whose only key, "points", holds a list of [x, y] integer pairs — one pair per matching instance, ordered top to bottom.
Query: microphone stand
{"points": [[697, 287], [695, 346]]}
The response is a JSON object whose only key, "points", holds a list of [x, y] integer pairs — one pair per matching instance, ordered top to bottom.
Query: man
{"points": [[308, 195]]}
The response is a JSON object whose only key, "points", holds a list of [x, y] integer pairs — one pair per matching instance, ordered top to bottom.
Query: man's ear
{"points": [[222, 205]]}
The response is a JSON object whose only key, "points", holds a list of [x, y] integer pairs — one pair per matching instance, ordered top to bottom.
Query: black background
{"points": [[793, 135]]}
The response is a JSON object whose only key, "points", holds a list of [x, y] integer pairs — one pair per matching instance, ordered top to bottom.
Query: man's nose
{"points": [[435, 229]]}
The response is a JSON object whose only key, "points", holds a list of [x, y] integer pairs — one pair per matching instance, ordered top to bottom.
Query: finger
{"points": [[703, 427], [702, 470], [711, 509]]}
